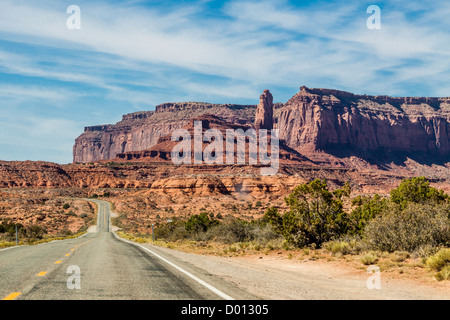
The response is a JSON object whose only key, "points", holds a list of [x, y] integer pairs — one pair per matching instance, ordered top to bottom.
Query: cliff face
{"points": [[322, 119], [332, 121], [141, 130]]}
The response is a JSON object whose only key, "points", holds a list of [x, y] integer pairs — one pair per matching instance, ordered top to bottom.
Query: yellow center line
{"points": [[72, 249], [67, 254], [59, 261], [41, 274], [12, 296]]}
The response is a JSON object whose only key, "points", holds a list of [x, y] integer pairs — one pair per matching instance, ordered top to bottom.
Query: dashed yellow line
{"points": [[12, 296]]}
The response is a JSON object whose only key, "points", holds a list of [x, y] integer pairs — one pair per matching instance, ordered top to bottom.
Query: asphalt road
{"points": [[100, 266]]}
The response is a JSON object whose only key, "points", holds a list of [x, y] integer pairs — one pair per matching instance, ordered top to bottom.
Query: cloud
{"points": [[272, 41], [134, 54], [34, 92], [36, 138]]}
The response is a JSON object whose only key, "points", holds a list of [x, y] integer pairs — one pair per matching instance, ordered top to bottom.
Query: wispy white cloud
{"points": [[269, 41], [141, 55], [31, 93], [31, 137]]}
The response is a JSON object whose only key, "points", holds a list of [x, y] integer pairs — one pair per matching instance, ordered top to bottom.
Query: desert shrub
{"points": [[416, 190], [66, 206], [366, 208], [71, 213], [315, 214], [199, 222], [416, 226], [8, 227], [173, 230], [234, 230], [238, 230], [34, 232], [65, 232], [263, 233], [5, 244], [275, 244], [347, 244], [338, 247], [400, 256], [369, 258], [440, 262], [444, 274]]}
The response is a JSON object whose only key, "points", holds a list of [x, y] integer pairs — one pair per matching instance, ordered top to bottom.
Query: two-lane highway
{"points": [[109, 268]]}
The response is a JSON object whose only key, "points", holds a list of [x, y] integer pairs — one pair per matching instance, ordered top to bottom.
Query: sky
{"points": [[130, 56]]}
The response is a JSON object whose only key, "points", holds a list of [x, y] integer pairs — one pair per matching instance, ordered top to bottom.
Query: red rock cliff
{"points": [[313, 119], [322, 119], [141, 130]]}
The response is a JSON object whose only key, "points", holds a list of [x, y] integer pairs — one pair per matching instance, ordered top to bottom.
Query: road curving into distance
{"points": [[101, 266]]}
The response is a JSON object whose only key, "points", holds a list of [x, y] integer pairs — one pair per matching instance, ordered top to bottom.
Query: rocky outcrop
{"points": [[264, 112], [314, 120], [330, 120], [142, 130], [162, 151], [195, 179]]}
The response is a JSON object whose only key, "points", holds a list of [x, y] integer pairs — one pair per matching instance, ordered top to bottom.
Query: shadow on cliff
{"points": [[384, 158]]}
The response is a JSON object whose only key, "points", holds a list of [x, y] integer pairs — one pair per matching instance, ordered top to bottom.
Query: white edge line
{"points": [[7, 248], [190, 275]]}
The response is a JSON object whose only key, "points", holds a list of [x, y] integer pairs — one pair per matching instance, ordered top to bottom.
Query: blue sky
{"points": [[132, 55]]}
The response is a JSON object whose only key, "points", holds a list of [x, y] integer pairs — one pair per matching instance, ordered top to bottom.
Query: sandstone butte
{"points": [[371, 141]]}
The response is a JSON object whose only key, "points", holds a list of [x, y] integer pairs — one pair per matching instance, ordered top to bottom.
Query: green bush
{"points": [[416, 190], [366, 208], [315, 214], [199, 222], [417, 226], [8, 227], [174, 230], [235, 230], [238, 230], [36, 232], [340, 247], [400, 256], [369, 259], [440, 262], [444, 274]]}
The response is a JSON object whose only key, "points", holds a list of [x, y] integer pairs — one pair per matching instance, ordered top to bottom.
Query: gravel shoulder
{"points": [[277, 278]]}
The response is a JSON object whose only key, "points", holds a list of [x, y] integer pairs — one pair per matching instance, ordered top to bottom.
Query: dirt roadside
{"points": [[274, 277]]}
